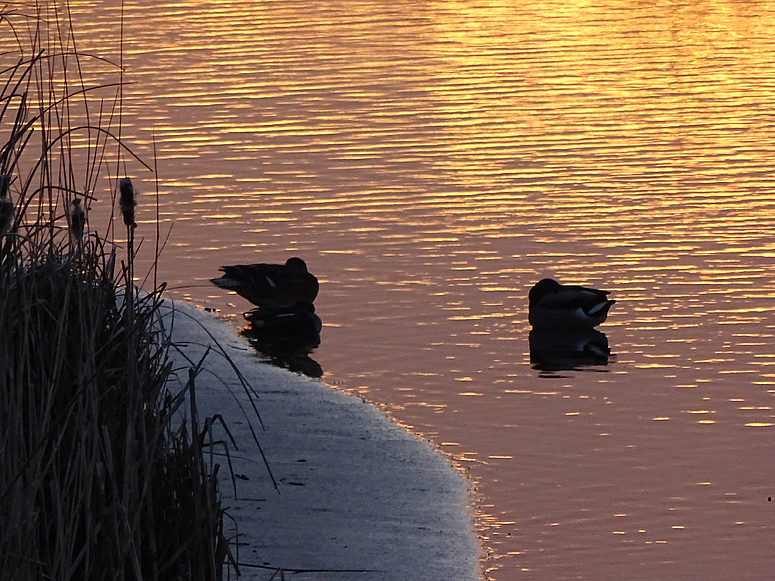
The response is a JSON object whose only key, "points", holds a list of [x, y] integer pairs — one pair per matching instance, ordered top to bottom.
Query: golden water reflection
{"points": [[431, 163]]}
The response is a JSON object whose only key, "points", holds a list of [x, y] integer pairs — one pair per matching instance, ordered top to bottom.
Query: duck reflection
{"points": [[286, 335], [562, 350]]}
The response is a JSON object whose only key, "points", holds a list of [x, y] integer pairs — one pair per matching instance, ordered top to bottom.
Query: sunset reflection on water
{"points": [[431, 163]]}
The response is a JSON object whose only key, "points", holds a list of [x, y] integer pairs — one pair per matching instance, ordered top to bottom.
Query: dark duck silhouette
{"points": [[270, 285], [557, 306]]}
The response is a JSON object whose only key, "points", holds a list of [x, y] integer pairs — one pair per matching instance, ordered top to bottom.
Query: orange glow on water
{"points": [[432, 162]]}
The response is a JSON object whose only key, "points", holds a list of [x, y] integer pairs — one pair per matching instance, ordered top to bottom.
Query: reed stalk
{"points": [[98, 480]]}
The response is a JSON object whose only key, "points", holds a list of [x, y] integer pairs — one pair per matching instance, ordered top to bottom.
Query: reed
{"points": [[99, 478]]}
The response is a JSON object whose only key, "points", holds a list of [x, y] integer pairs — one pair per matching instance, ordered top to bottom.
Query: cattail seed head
{"points": [[127, 201], [6, 206], [77, 219]]}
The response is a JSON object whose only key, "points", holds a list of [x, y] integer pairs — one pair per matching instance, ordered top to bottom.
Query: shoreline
{"points": [[358, 496]]}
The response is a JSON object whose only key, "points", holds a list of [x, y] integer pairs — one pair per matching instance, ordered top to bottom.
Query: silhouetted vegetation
{"points": [[100, 478]]}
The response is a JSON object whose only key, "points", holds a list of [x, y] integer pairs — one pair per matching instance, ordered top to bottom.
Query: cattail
{"points": [[127, 202], [6, 206], [77, 220]]}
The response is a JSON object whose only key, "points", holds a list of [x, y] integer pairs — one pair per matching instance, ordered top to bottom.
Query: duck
{"points": [[270, 285], [553, 305]]}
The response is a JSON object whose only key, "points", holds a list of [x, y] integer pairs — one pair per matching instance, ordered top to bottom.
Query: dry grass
{"points": [[99, 479]]}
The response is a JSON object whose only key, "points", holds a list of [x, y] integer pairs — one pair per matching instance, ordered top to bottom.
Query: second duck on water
{"points": [[270, 285], [553, 305]]}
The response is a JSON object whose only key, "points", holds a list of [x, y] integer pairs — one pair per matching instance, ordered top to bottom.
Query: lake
{"points": [[431, 161]]}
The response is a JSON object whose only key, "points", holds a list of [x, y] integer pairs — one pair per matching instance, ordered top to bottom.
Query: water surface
{"points": [[431, 162]]}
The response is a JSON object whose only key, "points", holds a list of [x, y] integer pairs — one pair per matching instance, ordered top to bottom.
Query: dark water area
{"points": [[431, 162]]}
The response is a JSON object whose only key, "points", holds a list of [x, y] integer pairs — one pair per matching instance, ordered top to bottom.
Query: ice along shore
{"points": [[357, 496]]}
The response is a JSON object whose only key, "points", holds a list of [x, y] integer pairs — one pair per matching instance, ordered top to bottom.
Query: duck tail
{"points": [[225, 282], [601, 308]]}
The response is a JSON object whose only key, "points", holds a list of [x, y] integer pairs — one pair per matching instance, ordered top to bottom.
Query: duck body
{"points": [[270, 285], [557, 306]]}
